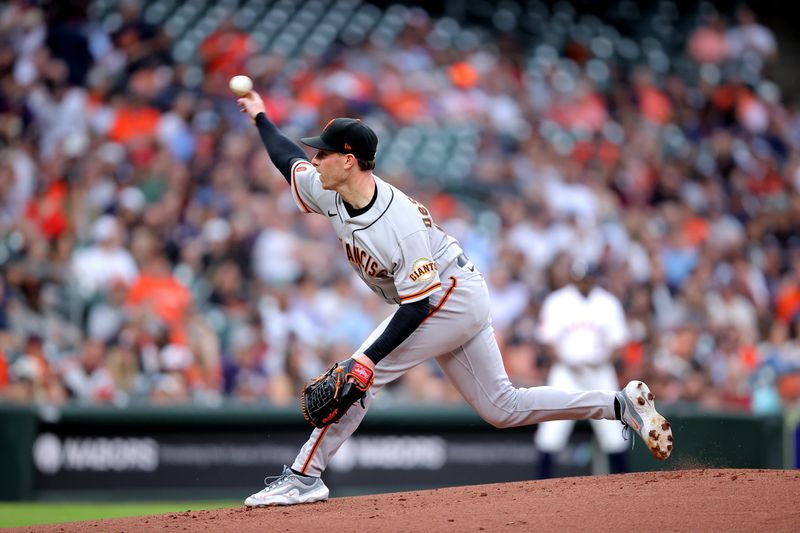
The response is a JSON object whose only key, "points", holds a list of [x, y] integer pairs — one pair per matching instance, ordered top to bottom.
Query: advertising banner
{"points": [[228, 461]]}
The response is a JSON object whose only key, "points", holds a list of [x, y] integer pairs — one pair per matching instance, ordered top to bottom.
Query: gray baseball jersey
{"points": [[395, 247], [398, 250]]}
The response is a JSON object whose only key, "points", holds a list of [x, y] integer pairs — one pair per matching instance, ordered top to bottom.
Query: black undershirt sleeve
{"points": [[282, 151], [406, 319]]}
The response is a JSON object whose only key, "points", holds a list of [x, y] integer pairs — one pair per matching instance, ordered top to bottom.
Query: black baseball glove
{"points": [[326, 399]]}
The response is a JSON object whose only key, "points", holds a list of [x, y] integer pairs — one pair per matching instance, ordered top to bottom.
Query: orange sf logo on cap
{"points": [[347, 146]]}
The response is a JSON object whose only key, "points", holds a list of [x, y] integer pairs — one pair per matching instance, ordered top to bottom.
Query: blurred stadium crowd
{"points": [[151, 253]]}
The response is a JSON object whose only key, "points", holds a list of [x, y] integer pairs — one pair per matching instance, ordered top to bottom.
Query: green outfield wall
{"points": [[189, 452]]}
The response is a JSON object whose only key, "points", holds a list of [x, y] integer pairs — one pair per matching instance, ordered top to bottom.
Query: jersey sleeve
{"points": [[307, 190], [416, 274]]}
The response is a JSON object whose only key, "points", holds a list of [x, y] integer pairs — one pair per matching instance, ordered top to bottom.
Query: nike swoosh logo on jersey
{"points": [[331, 214]]}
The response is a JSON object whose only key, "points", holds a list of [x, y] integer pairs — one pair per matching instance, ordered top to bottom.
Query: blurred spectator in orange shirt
{"points": [[708, 43], [226, 51], [654, 104], [582, 109], [133, 119], [48, 209], [157, 291], [787, 300], [3, 370]]}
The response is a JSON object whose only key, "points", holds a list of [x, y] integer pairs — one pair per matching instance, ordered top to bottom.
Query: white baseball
{"points": [[241, 85]]}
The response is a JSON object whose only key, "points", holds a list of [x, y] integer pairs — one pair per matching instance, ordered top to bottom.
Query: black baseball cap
{"points": [[346, 136]]}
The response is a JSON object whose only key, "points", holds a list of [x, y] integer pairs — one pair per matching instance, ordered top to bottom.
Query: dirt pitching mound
{"points": [[687, 500]]}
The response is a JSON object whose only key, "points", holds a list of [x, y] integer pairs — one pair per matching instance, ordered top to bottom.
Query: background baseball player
{"points": [[392, 243], [582, 325]]}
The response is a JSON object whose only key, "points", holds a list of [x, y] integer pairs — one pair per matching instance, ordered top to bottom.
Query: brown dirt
{"points": [[688, 500]]}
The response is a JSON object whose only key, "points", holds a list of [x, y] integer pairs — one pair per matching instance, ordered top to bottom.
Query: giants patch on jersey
{"points": [[423, 270]]}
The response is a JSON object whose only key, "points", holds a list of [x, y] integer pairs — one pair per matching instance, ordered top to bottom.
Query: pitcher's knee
{"points": [[502, 412], [500, 416], [498, 419]]}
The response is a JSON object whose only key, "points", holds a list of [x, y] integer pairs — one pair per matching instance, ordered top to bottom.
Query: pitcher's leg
{"points": [[461, 311], [476, 370], [553, 436], [318, 450]]}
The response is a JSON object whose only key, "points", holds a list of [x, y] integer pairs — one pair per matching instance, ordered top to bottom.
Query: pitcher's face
{"points": [[332, 168]]}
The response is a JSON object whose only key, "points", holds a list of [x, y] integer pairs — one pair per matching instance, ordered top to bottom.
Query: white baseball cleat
{"points": [[638, 413], [289, 489]]}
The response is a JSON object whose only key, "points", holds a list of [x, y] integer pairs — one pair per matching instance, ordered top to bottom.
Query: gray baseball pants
{"points": [[459, 335]]}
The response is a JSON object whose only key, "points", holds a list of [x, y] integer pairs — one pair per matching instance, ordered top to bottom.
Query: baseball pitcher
{"points": [[393, 244]]}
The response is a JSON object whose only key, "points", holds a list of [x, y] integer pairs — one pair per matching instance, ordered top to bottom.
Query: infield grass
{"points": [[28, 514]]}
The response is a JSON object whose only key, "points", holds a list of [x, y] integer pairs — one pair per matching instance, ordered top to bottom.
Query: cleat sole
{"points": [[656, 431]]}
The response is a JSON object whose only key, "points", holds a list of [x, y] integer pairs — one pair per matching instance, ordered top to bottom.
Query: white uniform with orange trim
{"points": [[403, 256]]}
